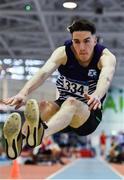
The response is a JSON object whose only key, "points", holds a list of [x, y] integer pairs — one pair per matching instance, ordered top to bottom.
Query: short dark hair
{"points": [[82, 25]]}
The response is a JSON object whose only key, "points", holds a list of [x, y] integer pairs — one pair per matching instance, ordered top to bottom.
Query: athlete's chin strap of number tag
{"points": [[43, 123]]}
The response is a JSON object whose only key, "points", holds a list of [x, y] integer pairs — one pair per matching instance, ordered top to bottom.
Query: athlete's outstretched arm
{"points": [[57, 58], [107, 65]]}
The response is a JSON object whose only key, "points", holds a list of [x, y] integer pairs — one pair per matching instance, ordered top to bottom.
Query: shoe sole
{"points": [[32, 117], [11, 131]]}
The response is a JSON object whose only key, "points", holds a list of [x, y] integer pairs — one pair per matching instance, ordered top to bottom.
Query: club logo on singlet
{"points": [[92, 73]]}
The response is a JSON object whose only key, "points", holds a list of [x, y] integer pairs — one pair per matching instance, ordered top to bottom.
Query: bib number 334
{"points": [[75, 87]]}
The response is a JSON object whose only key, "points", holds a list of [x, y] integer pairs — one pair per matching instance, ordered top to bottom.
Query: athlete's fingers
{"points": [[87, 96], [8, 100], [92, 100], [15, 102], [94, 103], [19, 105], [97, 105], [100, 105]]}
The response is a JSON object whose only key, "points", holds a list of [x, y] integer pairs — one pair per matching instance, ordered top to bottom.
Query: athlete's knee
{"points": [[71, 101], [48, 109]]}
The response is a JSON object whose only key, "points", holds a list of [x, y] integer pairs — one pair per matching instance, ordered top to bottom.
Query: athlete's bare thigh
{"points": [[48, 109], [82, 113]]}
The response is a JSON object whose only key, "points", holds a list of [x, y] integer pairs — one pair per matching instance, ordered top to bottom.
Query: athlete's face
{"points": [[83, 43]]}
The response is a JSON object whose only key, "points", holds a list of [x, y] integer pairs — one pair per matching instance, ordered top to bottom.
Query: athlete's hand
{"points": [[17, 101], [93, 101]]}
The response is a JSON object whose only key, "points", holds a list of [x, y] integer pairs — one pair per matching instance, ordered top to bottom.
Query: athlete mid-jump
{"points": [[85, 70]]}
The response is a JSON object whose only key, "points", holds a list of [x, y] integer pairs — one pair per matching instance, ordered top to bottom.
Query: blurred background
{"points": [[29, 32]]}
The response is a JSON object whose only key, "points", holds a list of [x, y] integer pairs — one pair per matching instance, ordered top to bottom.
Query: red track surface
{"points": [[119, 168], [30, 171], [41, 171]]}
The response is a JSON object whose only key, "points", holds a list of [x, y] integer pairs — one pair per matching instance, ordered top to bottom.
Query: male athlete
{"points": [[86, 69]]}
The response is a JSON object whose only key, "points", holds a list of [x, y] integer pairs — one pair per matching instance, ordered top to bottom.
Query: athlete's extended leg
{"points": [[72, 112], [32, 129], [31, 133]]}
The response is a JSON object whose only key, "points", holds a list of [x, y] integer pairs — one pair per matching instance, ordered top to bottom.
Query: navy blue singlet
{"points": [[75, 79]]}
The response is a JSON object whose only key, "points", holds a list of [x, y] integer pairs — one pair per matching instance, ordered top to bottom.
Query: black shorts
{"points": [[89, 126]]}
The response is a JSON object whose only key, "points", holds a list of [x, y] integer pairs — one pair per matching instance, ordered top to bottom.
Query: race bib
{"points": [[75, 88]]}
